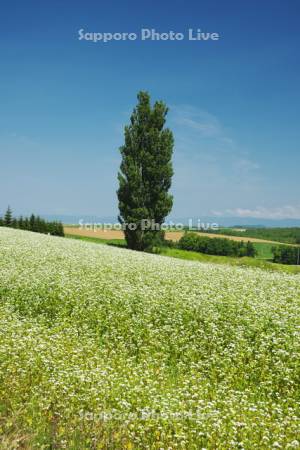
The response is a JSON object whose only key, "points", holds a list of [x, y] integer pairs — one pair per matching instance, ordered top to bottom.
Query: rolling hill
{"points": [[102, 347]]}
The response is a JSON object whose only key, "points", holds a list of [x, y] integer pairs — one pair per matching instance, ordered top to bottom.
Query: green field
{"points": [[288, 235], [97, 240], [264, 250], [227, 260], [106, 348]]}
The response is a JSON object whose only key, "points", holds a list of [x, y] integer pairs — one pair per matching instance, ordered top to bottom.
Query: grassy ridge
{"points": [[97, 240], [264, 253], [242, 262]]}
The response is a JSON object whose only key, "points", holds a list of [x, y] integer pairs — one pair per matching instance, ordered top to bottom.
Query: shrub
{"points": [[215, 246], [286, 254]]}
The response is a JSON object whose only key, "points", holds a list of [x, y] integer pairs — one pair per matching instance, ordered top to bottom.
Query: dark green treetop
{"points": [[8, 218]]}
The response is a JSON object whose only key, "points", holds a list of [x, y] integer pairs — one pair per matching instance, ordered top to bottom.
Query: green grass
{"points": [[96, 240], [263, 249], [245, 261]]}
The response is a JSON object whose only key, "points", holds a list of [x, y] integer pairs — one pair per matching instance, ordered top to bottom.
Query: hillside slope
{"points": [[103, 347]]}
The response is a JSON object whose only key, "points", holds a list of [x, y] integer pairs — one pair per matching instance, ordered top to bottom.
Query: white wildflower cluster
{"points": [[108, 348]]}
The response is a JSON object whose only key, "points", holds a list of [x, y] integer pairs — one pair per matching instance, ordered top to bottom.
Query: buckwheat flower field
{"points": [[106, 348]]}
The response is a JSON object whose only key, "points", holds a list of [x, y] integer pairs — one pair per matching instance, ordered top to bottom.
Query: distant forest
{"points": [[32, 223]]}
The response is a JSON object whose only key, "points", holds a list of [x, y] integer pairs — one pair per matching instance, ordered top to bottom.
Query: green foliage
{"points": [[145, 173], [8, 219], [32, 223], [216, 246], [250, 249], [286, 254]]}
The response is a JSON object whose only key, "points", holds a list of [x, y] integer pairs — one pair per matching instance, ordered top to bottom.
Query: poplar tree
{"points": [[145, 175]]}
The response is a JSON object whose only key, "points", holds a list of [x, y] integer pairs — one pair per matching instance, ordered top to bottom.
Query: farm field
{"points": [[171, 235], [288, 235], [263, 248], [106, 348]]}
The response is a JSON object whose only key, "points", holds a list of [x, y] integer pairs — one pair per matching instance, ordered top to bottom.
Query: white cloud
{"points": [[260, 212]]}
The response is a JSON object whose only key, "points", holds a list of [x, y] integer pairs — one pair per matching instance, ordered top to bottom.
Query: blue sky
{"points": [[234, 104]]}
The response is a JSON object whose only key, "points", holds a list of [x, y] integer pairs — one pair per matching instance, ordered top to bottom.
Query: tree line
{"points": [[32, 223], [216, 246], [284, 254]]}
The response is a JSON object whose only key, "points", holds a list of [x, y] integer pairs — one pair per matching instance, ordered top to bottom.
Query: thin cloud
{"points": [[196, 119], [196, 128], [260, 212]]}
